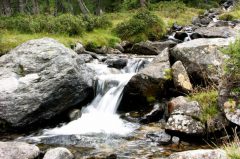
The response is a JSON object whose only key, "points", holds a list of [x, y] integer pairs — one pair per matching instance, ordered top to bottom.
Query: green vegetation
{"points": [[232, 15], [68, 25], [142, 26], [233, 63], [208, 101], [233, 147]]}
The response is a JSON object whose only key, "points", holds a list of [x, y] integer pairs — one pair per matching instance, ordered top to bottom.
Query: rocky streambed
{"points": [[44, 86]]}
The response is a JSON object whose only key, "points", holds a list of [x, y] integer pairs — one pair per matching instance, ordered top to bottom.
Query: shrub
{"points": [[227, 17], [93, 22], [142, 26], [233, 63], [208, 101]]}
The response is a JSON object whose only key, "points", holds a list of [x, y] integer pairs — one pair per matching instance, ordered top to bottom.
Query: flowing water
{"points": [[100, 131]]}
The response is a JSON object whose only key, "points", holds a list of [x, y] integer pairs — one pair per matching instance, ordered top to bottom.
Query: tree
{"points": [[143, 3], [6, 5], [21, 6], [83, 7], [35, 8]]}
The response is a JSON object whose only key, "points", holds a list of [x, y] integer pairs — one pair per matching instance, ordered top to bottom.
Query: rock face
{"points": [[216, 32], [202, 58], [118, 63], [180, 77], [39, 80], [148, 83], [229, 101], [185, 119], [18, 150], [58, 153], [200, 154]]}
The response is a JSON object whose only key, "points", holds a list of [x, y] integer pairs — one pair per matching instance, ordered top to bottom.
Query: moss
{"points": [[168, 74], [151, 99], [208, 103]]}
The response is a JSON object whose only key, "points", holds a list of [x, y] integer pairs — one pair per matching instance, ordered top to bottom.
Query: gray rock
{"points": [[216, 32], [163, 45], [119, 47], [79, 48], [145, 48], [86, 57], [202, 57], [118, 63], [180, 77], [39, 80], [148, 82], [175, 103], [75, 114], [185, 119], [160, 137], [18, 150], [58, 153], [200, 154]]}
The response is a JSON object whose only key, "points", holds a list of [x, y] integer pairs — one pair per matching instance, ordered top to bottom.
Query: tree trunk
{"points": [[143, 3], [21, 6], [35, 7], [83, 7], [7, 8], [98, 8]]}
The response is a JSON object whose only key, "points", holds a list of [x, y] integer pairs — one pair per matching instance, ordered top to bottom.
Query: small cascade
{"points": [[100, 116]]}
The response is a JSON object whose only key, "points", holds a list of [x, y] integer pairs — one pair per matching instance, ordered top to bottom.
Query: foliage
{"points": [[232, 15], [67, 24], [142, 26], [233, 63], [208, 101]]}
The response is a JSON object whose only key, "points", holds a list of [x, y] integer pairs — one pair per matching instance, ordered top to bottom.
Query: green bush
{"points": [[227, 17], [97, 22], [142, 26], [233, 63]]}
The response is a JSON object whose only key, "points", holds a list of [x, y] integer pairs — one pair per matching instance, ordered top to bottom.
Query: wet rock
{"points": [[201, 21], [219, 23], [176, 27], [216, 32], [182, 36], [127, 46], [79, 48], [202, 58], [118, 63], [180, 77], [39, 80], [148, 83], [229, 101], [175, 103], [75, 114], [155, 115], [185, 120], [160, 137], [18, 150], [58, 153], [200, 154]]}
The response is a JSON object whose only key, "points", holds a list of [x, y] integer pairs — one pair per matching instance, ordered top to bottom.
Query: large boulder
{"points": [[216, 32], [202, 58], [39, 80], [148, 84], [229, 101], [184, 119], [18, 150], [58, 153], [200, 154]]}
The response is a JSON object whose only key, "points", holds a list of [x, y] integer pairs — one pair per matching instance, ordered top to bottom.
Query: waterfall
{"points": [[100, 116]]}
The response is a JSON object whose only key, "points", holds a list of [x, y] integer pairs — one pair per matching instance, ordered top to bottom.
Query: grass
{"points": [[170, 12], [232, 15], [208, 101], [232, 148]]}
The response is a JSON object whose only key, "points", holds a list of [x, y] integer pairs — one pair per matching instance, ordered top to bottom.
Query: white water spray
{"points": [[100, 116]]}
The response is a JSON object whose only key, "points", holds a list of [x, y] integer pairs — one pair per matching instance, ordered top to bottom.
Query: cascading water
{"points": [[100, 116]]}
